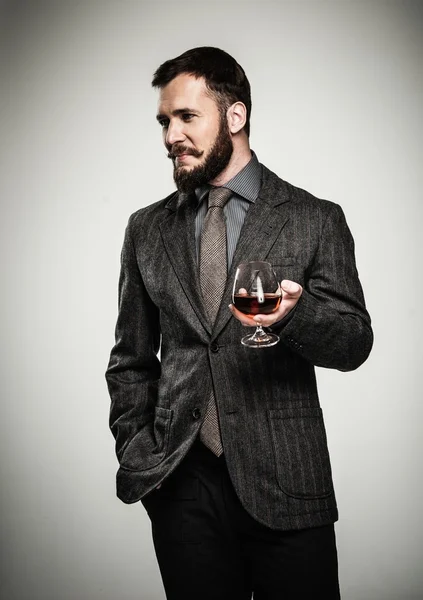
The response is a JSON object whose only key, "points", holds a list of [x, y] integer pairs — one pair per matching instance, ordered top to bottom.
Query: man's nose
{"points": [[174, 133]]}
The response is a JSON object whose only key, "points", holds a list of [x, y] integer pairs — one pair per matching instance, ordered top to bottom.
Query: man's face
{"points": [[195, 134]]}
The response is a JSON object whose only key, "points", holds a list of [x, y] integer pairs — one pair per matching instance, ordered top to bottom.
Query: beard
{"points": [[217, 159]]}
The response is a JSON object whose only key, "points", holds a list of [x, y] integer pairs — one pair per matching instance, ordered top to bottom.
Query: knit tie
{"points": [[213, 269]]}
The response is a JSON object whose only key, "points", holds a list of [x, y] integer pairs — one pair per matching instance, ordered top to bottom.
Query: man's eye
{"points": [[187, 117], [164, 123]]}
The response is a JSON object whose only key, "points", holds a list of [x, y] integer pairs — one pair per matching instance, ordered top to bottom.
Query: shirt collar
{"points": [[246, 183]]}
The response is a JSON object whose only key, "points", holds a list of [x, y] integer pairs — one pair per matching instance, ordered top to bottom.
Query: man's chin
{"points": [[184, 168], [187, 178]]}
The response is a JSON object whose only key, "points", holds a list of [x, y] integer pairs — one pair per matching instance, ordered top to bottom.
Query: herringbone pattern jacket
{"points": [[271, 421]]}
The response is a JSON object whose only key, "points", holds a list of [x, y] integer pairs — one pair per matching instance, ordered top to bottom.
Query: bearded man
{"points": [[225, 445]]}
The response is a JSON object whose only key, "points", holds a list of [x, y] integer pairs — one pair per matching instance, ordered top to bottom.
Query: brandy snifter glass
{"points": [[257, 291]]}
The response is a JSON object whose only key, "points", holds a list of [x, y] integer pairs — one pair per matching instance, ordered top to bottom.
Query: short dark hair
{"points": [[224, 77]]}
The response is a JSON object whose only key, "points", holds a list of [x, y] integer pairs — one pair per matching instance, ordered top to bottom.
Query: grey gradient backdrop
{"points": [[337, 97]]}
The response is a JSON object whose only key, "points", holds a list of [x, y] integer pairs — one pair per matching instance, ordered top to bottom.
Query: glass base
{"points": [[260, 339]]}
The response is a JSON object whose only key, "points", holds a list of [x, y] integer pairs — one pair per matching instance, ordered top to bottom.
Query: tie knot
{"points": [[219, 196]]}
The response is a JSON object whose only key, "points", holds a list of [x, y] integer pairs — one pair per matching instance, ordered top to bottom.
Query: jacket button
{"points": [[214, 347], [196, 413]]}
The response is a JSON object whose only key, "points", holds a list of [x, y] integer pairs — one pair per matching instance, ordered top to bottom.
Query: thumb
{"points": [[291, 288]]}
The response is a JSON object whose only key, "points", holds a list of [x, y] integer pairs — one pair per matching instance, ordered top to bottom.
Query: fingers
{"points": [[246, 320], [268, 320]]}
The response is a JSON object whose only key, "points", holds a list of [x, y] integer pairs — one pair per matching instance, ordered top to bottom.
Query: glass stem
{"points": [[260, 334]]}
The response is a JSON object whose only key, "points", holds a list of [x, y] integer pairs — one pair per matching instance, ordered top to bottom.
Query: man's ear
{"points": [[237, 117]]}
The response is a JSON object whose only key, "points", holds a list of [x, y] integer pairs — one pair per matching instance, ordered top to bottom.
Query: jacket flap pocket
{"points": [[301, 453]]}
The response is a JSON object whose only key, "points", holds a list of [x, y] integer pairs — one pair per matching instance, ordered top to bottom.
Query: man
{"points": [[225, 445]]}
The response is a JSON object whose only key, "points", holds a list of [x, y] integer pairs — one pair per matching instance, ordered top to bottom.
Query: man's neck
{"points": [[239, 159]]}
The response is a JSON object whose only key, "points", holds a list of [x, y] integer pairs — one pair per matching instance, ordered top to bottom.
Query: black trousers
{"points": [[209, 548]]}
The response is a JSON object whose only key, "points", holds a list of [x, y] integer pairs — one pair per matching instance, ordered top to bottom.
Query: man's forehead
{"points": [[182, 86], [184, 91]]}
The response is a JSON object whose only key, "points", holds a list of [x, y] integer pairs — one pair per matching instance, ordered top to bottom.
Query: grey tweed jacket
{"points": [[271, 421]]}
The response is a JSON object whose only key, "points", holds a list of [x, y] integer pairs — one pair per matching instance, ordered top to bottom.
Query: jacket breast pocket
{"points": [[286, 268], [148, 447], [301, 453]]}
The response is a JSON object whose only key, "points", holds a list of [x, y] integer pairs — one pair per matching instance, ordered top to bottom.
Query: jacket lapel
{"points": [[263, 224], [178, 234]]}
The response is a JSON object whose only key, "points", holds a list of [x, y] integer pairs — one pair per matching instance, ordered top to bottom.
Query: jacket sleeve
{"points": [[330, 326], [134, 368]]}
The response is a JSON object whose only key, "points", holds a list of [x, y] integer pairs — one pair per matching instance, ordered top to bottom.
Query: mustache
{"points": [[179, 149]]}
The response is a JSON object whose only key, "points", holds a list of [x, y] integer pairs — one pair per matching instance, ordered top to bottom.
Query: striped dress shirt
{"points": [[245, 187]]}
